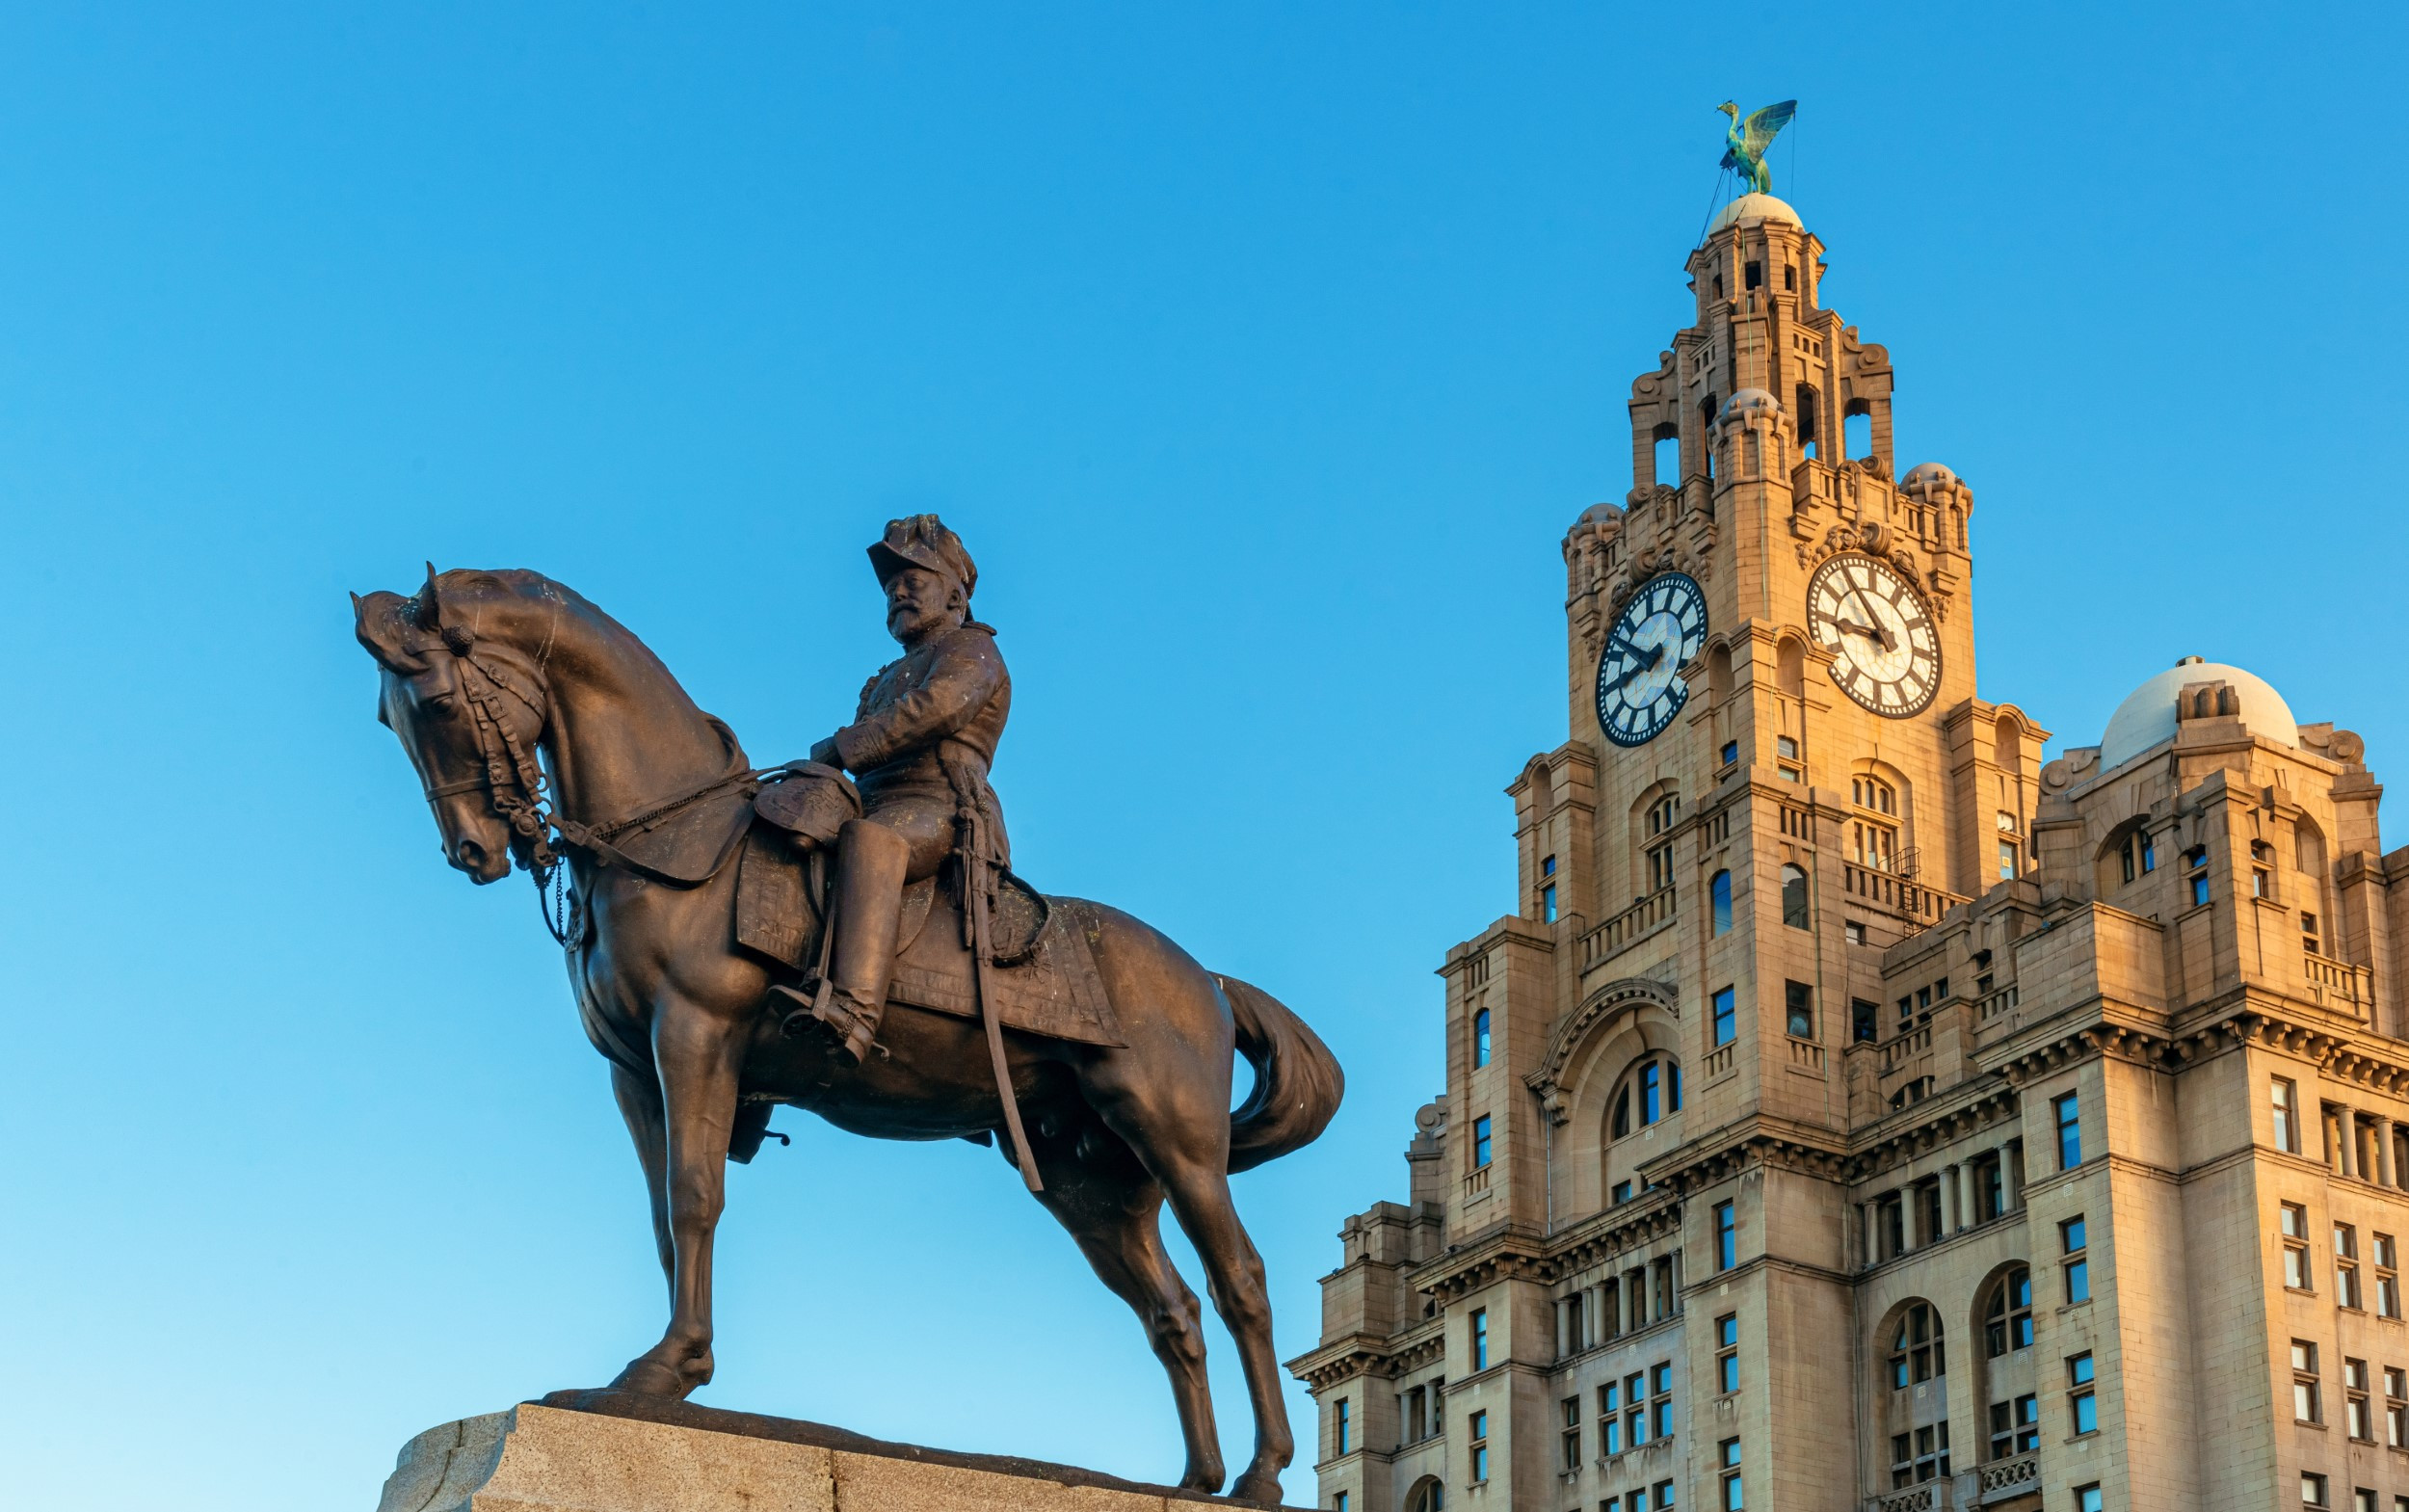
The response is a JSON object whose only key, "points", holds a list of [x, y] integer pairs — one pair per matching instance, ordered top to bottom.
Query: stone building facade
{"points": [[1859, 1111]]}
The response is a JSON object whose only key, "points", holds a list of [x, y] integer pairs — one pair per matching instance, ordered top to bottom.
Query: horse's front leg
{"points": [[695, 1058], [639, 1098]]}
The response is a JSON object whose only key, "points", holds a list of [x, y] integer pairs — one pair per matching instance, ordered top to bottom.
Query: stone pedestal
{"points": [[602, 1453]]}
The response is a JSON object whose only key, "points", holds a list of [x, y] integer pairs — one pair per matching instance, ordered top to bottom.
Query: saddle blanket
{"points": [[1056, 992]]}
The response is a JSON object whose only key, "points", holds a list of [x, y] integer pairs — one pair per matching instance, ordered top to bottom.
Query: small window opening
{"points": [[1756, 274], [1789, 278], [1857, 435]]}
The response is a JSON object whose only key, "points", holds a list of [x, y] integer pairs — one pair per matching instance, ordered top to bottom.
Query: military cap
{"points": [[922, 540]]}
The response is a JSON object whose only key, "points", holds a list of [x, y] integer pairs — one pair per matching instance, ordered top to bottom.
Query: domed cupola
{"points": [[2194, 689]]}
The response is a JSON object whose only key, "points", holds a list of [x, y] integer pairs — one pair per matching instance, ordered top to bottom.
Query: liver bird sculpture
{"points": [[1747, 140]]}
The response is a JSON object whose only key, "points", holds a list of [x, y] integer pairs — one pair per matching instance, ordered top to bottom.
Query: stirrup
{"points": [[846, 1032]]}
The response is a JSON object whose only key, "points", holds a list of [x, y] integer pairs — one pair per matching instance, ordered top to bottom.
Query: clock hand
{"points": [[1880, 631], [1654, 655]]}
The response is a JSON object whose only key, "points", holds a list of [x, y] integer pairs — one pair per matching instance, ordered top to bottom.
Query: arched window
{"points": [[1804, 410], [1668, 444], [1789, 668], [2007, 745], [1873, 828], [2139, 856], [1721, 890], [1794, 910], [1480, 1037], [1650, 1091], [2007, 1317], [1917, 1353], [1427, 1496]]}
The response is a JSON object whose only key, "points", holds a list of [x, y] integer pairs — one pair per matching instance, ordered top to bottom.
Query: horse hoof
{"points": [[649, 1377], [1257, 1488]]}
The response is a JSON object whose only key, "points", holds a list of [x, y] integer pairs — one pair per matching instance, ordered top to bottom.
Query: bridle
{"points": [[510, 774], [540, 836]]}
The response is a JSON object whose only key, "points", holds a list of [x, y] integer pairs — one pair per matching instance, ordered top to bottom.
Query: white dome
{"points": [[1752, 207], [2147, 717]]}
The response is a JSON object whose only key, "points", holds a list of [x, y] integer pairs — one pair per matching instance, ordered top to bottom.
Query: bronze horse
{"points": [[483, 675]]}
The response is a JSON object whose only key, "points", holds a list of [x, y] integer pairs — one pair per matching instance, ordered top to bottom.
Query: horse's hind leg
{"points": [[1101, 1193], [1200, 1197]]}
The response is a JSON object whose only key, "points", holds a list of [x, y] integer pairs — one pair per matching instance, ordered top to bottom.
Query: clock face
{"points": [[1870, 618], [1638, 690]]}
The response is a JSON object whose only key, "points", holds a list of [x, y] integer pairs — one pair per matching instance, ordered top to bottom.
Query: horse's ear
{"points": [[430, 604], [380, 621]]}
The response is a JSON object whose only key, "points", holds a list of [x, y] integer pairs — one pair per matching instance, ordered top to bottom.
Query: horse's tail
{"points": [[1297, 1080]]}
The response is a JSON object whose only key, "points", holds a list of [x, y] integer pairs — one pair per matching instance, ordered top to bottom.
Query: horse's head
{"points": [[469, 713]]}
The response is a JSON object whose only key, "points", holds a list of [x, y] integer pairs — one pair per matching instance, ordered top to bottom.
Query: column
{"points": [[2347, 1125], [2012, 1172], [2384, 1172], [1952, 1211], [1869, 1250], [1562, 1337]]}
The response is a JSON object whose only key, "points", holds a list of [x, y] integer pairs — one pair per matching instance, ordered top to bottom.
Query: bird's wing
{"points": [[1764, 125], [1729, 160]]}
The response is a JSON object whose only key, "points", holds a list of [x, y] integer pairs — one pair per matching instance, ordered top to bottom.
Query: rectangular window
{"points": [[1731, 751], [2007, 860], [1548, 904], [1854, 932], [1798, 1007], [1726, 1016], [1864, 1019], [1480, 1037], [2284, 1099], [2069, 1111], [1480, 1141], [1989, 1188], [1622, 1192], [2295, 1222], [1727, 1237], [2387, 1258], [2079, 1261], [2346, 1266], [1480, 1340], [1727, 1353], [1661, 1398], [2084, 1401], [2305, 1406], [2396, 1407], [2358, 1409], [1635, 1411], [1343, 1420], [1610, 1422], [2015, 1426], [1480, 1447], [1572, 1447], [1921, 1456], [2313, 1489], [1664, 1495], [2087, 1498], [1732, 1500], [1338, 1501]]}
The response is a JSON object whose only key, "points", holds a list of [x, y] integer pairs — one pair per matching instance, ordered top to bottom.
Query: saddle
{"points": [[1045, 978]]}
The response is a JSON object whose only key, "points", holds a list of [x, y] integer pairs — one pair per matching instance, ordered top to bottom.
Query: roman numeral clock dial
{"points": [[1870, 618], [1639, 689]]}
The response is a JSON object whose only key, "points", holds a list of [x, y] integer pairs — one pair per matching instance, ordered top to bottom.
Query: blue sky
{"points": [[1261, 354]]}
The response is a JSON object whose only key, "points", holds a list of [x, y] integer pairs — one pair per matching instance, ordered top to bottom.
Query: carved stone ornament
{"points": [[1600, 1009]]}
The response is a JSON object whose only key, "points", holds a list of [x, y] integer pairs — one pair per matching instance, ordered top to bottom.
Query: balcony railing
{"points": [[1917, 906], [1615, 933], [2338, 983], [1999, 1004], [1898, 1051], [2004, 1478]]}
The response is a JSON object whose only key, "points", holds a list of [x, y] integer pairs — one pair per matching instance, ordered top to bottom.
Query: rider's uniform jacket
{"points": [[941, 704]]}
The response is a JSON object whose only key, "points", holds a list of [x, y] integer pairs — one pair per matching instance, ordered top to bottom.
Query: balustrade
{"points": [[1641, 917]]}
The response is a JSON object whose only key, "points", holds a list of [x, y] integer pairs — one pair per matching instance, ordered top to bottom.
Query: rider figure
{"points": [[919, 747]]}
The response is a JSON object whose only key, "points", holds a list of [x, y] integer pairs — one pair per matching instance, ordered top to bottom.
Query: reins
{"points": [[521, 797]]}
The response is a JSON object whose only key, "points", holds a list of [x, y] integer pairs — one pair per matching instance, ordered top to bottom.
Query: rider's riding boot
{"points": [[871, 865]]}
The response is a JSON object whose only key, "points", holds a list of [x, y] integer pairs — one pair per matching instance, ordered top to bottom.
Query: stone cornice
{"points": [[1362, 1354]]}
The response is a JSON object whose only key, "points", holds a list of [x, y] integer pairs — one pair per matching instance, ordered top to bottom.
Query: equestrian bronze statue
{"points": [[845, 934]]}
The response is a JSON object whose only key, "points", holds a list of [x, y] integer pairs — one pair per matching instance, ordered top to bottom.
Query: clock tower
{"points": [[1856, 1113]]}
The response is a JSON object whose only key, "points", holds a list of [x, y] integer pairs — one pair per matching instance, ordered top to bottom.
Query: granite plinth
{"points": [[605, 1451]]}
